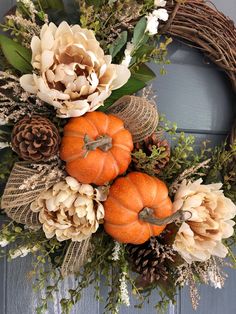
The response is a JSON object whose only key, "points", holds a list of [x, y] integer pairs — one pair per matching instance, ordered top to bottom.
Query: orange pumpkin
{"points": [[96, 148], [133, 202]]}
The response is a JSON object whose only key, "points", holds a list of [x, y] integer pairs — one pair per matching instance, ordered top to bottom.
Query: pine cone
{"points": [[35, 138], [147, 147], [150, 260]]}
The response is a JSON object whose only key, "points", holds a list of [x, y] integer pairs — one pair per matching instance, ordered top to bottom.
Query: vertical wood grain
{"points": [[5, 6], [198, 97], [3, 272], [213, 300]]}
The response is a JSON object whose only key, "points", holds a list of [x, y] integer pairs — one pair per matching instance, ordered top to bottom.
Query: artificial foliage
{"points": [[152, 153], [94, 182]]}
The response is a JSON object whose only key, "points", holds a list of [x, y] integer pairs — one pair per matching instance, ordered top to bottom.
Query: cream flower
{"points": [[160, 3], [161, 14], [153, 20], [152, 24], [73, 74], [70, 210], [201, 236]]}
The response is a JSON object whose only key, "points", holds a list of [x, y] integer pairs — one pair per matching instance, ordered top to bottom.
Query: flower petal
{"points": [[27, 82]]}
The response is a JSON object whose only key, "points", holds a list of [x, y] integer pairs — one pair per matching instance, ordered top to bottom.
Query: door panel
{"points": [[198, 97], [212, 300]]}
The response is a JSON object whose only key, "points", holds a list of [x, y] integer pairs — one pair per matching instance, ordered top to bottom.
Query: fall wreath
{"points": [[88, 178]]}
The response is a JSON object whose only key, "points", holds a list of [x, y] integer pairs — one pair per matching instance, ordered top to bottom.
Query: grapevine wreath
{"points": [[89, 182]]}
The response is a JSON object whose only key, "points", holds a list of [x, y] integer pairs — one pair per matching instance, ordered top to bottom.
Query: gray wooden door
{"points": [[198, 97]]}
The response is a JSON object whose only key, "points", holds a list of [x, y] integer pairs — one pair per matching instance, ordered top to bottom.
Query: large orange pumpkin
{"points": [[96, 147], [130, 199]]}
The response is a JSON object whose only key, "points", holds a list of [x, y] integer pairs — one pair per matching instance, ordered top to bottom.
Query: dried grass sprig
{"points": [[108, 21], [23, 29], [15, 102], [46, 173], [189, 173], [164, 251], [210, 273], [186, 277]]}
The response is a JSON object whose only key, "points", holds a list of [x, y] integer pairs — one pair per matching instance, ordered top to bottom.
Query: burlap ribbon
{"points": [[139, 115], [24, 185], [17, 198], [76, 256]]}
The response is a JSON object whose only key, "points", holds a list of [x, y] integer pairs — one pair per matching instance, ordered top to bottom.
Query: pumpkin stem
{"points": [[103, 142], [147, 215]]}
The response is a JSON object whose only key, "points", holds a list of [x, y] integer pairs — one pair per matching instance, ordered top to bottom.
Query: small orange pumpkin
{"points": [[96, 148], [134, 204]]}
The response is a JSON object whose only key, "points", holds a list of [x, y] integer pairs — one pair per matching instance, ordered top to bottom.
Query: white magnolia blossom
{"points": [[160, 3], [153, 20], [128, 51], [72, 73], [70, 210], [201, 236]]}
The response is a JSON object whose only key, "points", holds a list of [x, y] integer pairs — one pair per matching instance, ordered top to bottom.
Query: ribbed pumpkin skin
{"points": [[97, 166], [127, 197]]}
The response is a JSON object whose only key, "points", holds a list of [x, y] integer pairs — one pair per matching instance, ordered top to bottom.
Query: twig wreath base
{"points": [[205, 28], [88, 179]]}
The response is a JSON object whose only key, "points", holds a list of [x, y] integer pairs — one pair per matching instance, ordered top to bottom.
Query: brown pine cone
{"points": [[35, 138], [147, 147], [150, 259]]}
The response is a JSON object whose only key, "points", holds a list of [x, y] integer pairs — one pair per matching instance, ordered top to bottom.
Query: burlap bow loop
{"points": [[140, 116]]}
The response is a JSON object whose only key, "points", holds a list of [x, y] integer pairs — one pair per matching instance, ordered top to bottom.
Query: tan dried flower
{"points": [[74, 74], [70, 210], [201, 236]]}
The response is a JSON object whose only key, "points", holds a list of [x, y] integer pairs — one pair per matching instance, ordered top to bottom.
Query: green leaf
{"points": [[95, 3], [52, 4], [56, 4], [139, 31], [118, 44], [143, 50], [18, 56], [144, 73], [132, 86], [168, 287]]}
